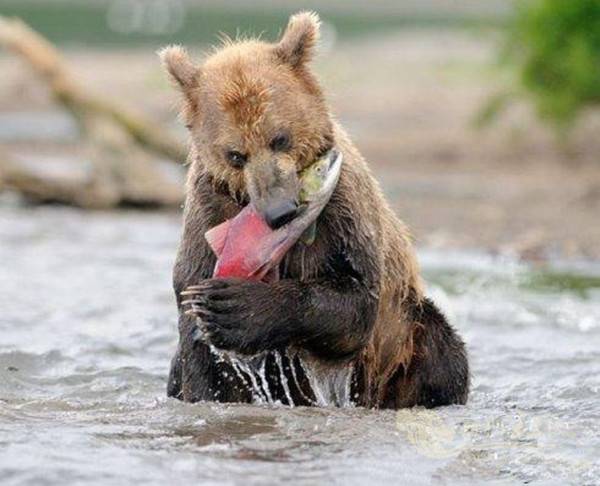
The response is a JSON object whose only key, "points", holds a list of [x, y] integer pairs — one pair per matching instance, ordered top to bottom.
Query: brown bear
{"points": [[352, 300]]}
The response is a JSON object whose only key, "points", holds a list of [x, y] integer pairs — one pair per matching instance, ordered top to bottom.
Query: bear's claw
{"points": [[227, 313]]}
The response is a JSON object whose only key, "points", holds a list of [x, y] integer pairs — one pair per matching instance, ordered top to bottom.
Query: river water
{"points": [[88, 325]]}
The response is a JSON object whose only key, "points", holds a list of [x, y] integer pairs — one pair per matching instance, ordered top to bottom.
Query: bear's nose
{"points": [[280, 213]]}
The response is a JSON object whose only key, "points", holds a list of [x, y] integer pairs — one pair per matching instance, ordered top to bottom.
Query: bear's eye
{"points": [[280, 142], [236, 159]]}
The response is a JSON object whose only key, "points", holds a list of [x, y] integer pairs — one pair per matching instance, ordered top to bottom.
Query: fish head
{"points": [[320, 179]]}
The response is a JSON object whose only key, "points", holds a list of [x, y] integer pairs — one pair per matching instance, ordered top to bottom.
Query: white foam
{"points": [[330, 385]]}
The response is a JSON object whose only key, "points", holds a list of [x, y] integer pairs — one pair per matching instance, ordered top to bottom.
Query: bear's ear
{"points": [[298, 42], [181, 68]]}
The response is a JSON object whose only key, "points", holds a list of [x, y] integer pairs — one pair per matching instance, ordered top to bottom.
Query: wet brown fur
{"points": [[404, 351]]}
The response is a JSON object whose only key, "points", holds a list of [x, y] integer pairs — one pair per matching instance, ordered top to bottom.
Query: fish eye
{"points": [[280, 142], [236, 159]]}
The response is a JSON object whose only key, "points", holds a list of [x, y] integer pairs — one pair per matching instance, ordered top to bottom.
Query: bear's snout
{"points": [[273, 188], [280, 213]]}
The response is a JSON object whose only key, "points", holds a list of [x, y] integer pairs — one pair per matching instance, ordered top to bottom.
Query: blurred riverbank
{"points": [[408, 100]]}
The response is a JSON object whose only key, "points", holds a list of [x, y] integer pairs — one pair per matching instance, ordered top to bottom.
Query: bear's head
{"points": [[256, 115]]}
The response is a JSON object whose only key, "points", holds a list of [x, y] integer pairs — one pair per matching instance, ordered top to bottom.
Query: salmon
{"points": [[246, 247]]}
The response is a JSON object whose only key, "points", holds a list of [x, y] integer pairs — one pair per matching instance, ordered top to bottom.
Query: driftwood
{"points": [[122, 146], [42, 188]]}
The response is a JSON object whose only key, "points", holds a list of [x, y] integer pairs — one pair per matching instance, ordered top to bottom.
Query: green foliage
{"points": [[555, 47]]}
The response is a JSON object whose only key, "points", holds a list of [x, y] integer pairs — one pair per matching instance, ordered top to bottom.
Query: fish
{"points": [[246, 247]]}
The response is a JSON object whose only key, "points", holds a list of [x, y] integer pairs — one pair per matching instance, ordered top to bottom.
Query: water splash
{"points": [[250, 370], [283, 378], [330, 385]]}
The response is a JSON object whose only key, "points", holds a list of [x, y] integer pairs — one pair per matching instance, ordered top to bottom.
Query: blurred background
{"points": [[478, 117], [480, 120]]}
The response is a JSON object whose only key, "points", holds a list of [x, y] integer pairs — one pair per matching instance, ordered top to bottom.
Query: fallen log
{"points": [[123, 146], [41, 188]]}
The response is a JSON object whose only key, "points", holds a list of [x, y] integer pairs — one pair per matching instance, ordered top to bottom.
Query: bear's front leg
{"points": [[332, 318]]}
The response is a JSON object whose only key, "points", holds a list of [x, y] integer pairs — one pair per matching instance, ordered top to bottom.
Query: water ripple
{"points": [[88, 327]]}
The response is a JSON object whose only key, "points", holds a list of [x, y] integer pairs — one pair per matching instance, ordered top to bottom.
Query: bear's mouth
{"points": [[333, 160], [317, 184], [247, 247]]}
